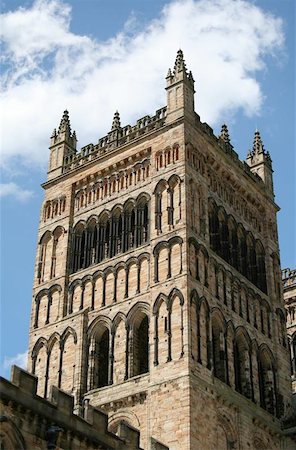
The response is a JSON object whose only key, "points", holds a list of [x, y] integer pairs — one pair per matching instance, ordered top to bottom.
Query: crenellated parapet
{"points": [[117, 137], [289, 277], [29, 421]]}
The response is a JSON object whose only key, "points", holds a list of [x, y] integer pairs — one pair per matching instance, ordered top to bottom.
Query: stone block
{"points": [[24, 380], [62, 400], [97, 418], [130, 435]]}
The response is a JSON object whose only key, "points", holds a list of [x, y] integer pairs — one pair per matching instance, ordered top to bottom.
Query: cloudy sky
{"points": [[96, 56]]}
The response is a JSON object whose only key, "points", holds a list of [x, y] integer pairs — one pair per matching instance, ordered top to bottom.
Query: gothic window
{"points": [[174, 200], [160, 204], [141, 221], [214, 228], [57, 235], [223, 236], [233, 243], [78, 246], [242, 252], [44, 257], [251, 260], [261, 270], [175, 325], [281, 326], [204, 333], [141, 346], [219, 353], [101, 359], [242, 364], [267, 381]]}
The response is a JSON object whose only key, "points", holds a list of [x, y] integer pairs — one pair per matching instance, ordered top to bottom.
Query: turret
{"points": [[180, 91], [62, 144], [260, 162]]}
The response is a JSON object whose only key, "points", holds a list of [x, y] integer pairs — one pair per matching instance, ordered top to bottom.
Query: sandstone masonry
{"points": [[157, 294]]}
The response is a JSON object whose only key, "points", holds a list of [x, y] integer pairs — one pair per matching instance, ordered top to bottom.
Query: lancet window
{"points": [[167, 203], [267, 381]]}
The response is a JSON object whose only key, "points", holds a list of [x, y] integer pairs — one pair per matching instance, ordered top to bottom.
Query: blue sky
{"points": [[85, 54]]}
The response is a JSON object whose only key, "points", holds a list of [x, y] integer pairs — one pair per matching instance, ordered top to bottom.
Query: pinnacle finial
{"points": [[179, 63], [169, 74], [116, 121], [65, 123], [54, 133], [224, 135], [258, 144]]}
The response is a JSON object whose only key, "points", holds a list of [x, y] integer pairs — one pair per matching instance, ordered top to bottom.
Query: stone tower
{"points": [[157, 294]]}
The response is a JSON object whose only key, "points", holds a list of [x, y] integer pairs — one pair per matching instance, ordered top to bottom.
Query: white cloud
{"points": [[49, 68], [13, 190], [19, 360]]}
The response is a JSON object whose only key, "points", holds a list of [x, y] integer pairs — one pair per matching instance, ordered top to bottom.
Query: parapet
{"points": [[116, 138], [289, 278], [52, 420]]}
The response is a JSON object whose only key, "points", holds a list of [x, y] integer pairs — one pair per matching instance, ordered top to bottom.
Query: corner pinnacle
{"points": [[116, 121]]}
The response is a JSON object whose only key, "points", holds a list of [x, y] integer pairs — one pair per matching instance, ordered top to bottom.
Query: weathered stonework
{"points": [[289, 286], [157, 294], [31, 422]]}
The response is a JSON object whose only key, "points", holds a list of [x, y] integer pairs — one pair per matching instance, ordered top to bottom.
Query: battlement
{"points": [[119, 136], [114, 139], [289, 277], [54, 422]]}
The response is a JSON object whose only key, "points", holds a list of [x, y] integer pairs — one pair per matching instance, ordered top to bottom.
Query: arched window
{"points": [[160, 204], [142, 221], [146, 223], [214, 229], [223, 236], [56, 238], [90, 243], [233, 243], [78, 247], [242, 252], [44, 257], [251, 260], [261, 270], [281, 325], [141, 346], [219, 353], [103, 359], [98, 362], [242, 365], [267, 382]]}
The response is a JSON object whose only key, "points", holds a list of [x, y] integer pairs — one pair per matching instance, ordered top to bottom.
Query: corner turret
{"points": [[180, 90], [62, 143], [260, 162]]}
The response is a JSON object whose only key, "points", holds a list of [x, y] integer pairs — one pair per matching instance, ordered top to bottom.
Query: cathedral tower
{"points": [[157, 293]]}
